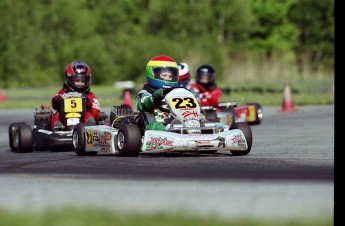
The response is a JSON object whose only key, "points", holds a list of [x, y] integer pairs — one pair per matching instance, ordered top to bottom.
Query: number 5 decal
{"points": [[73, 105]]}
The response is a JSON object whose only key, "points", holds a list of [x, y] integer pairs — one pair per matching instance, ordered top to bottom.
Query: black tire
{"points": [[259, 113], [247, 131], [11, 133], [23, 139], [78, 140], [128, 140]]}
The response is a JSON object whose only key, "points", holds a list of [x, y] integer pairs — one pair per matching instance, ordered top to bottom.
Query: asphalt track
{"points": [[289, 173]]}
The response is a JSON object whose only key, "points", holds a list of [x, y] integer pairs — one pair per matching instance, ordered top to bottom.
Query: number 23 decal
{"points": [[185, 102]]}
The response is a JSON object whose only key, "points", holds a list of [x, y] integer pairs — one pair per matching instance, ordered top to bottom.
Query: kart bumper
{"points": [[55, 141], [161, 141]]}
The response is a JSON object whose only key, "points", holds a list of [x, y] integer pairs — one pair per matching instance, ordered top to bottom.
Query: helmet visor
{"points": [[166, 73], [204, 78], [80, 81]]}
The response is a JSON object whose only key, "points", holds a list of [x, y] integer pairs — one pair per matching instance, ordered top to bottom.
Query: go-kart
{"points": [[229, 112], [187, 131], [26, 138]]}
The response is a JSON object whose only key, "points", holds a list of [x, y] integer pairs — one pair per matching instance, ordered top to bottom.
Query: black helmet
{"points": [[206, 76]]}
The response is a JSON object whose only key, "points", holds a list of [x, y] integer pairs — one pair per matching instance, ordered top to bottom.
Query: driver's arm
{"points": [[145, 102]]}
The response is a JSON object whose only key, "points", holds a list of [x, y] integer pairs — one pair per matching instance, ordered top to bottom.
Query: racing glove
{"points": [[157, 96], [56, 102], [88, 104]]}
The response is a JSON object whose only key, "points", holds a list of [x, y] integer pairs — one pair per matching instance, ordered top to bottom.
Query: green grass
{"points": [[268, 94], [93, 217]]}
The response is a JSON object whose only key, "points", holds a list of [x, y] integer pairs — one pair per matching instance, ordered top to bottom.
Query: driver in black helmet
{"points": [[210, 94]]}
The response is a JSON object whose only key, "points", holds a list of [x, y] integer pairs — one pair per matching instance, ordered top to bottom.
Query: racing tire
{"points": [[259, 113], [247, 131], [11, 134], [23, 139], [78, 140], [128, 140]]}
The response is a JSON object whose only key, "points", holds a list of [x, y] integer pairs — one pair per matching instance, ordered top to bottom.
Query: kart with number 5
{"points": [[26, 138]]}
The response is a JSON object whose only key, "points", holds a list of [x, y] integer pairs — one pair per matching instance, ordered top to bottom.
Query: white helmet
{"points": [[184, 76]]}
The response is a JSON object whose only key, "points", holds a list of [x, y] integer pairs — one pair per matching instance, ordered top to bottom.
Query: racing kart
{"points": [[229, 112], [187, 131], [26, 138]]}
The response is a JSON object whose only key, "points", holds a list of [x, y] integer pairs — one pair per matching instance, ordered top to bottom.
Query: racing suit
{"points": [[207, 97], [92, 114], [155, 118]]}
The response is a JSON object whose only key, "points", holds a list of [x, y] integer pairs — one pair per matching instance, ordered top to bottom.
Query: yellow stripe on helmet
{"points": [[162, 63]]}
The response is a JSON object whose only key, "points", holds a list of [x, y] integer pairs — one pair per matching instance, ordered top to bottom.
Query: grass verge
{"points": [[307, 93], [94, 217]]}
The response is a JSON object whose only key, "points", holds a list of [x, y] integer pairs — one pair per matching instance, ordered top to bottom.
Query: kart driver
{"points": [[161, 75], [183, 75], [77, 79], [184, 79], [209, 93]]}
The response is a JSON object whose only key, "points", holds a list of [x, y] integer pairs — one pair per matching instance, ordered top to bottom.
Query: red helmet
{"points": [[78, 76]]}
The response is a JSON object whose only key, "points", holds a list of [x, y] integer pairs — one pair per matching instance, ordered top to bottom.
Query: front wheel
{"points": [[247, 131], [78, 140], [128, 140]]}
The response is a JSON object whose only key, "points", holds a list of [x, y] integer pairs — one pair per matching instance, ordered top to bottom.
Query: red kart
{"points": [[229, 112]]}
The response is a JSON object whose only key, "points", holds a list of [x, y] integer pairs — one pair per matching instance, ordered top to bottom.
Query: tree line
{"points": [[117, 38]]}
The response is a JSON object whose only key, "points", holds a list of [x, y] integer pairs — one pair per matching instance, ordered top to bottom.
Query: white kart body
{"points": [[183, 135], [100, 138], [161, 141]]}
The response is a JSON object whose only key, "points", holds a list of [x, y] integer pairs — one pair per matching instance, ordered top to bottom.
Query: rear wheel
{"points": [[247, 131], [11, 134], [23, 139], [128, 140]]}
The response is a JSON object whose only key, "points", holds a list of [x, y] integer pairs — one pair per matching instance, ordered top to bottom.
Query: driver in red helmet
{"points": [[77, 79], [209, 93]]}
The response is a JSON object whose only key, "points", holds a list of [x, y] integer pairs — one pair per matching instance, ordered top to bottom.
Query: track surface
{"points": [[289, 173]]}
